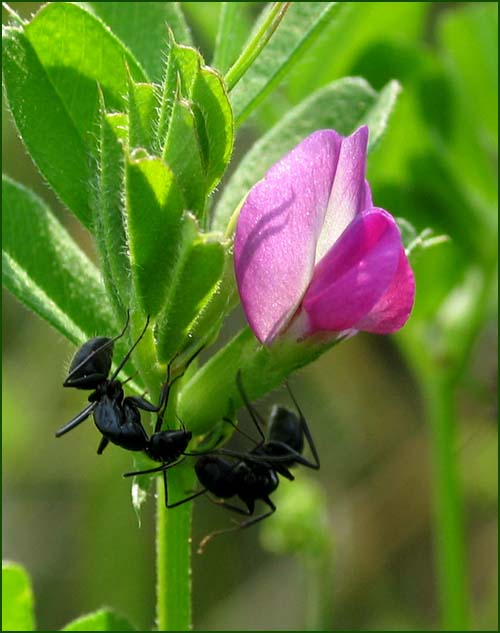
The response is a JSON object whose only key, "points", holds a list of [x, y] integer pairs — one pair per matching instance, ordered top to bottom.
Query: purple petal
{"points": [[350, 192], [278, 229], [354, 274], [392, 310]]}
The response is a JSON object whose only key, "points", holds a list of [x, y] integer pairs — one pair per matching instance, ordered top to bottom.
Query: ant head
{"points": [[91, 364], [285, 427]]}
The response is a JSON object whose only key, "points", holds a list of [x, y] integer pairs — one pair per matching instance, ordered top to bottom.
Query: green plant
{"points": [[139, 121]]}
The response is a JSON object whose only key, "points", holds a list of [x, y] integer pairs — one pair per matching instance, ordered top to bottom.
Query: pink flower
{"points": [[312, 254]]}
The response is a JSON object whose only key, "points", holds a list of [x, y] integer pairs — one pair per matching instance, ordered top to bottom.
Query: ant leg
{"points": [[128, 354], [165, 392], [143, 404], [162, 406], [78, 419], [257, 419], [306, 430], [102, 445], [287, 454], [157, 469], [165, 487], [190, 498], [228, 506], [204, 542]]}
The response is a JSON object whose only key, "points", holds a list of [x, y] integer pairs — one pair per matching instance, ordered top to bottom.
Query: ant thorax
{"points": [[111, 388]]}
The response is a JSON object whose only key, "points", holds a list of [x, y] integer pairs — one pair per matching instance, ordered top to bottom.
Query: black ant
{"points": [[117, 417], [286, 430], [167, 447], [254, 476]]}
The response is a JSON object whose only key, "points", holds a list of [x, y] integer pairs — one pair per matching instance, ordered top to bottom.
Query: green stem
{"points": [[256, 44], [212, 393], [448, 505], [173, 527], [173, 540], [173, 553]]}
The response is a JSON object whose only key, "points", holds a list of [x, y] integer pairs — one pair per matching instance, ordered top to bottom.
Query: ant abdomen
{"points": [[285, 428]]}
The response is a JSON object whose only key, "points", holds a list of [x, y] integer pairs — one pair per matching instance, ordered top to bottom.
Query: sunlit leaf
{"points": [[142, 27], [44, 65], [187, 77], [142, 113], [183, 154], [109, 208], [154, 217], [46, 270], [198, 273]]}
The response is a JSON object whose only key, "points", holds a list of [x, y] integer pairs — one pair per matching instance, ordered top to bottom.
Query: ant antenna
{"points": [[127, 356], [131, 378], [168, 385], [253, 412], [303, 422], [237, 428]]}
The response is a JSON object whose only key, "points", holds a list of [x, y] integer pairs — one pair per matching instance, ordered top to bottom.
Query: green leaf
{"points": [[301, 25], [142, 27], [234, 28], [79, 52], [183, 64], [44, 65], [26, 84], [203, 87], [210, 97], [344, 105], [142, 113], [183, 154], [155, 206], [109, 226], [46, 270], [197, 276], [15, 279], [18, 612], [101, 620]]}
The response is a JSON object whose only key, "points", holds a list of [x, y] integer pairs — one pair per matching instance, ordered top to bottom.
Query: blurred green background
{"points": [[67, 512]]}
